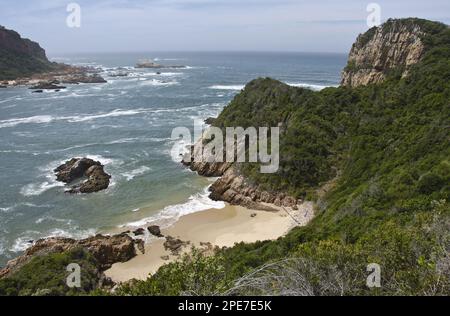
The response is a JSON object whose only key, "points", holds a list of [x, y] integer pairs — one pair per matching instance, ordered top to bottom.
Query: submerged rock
{"points": [[84, 78], [47, 86], [77, 168]]}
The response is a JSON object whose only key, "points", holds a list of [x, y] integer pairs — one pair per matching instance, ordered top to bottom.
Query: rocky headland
{"points": [[397, 44], [25, 63], [232, 187]]}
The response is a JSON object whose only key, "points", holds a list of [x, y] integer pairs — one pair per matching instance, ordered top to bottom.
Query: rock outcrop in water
{"points": [[397, 44], [77, 168], [107, 250]]}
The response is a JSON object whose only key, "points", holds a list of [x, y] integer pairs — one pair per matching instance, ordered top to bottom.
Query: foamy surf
{"points": [[229, 87], [314, 87], [136, 172], [34, 189], [170, 214], [28, 238]]}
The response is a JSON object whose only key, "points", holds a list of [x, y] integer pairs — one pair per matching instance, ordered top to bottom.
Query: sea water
{"points": [[126, 124]]}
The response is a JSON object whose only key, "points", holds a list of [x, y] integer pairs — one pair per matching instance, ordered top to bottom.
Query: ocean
{"points": [[126, 124]]}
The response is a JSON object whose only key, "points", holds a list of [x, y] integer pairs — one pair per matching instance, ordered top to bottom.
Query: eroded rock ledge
{"points": [[77, 168], [233, 188], [107, 250]]}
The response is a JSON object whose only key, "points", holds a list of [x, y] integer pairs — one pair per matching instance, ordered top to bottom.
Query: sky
{"points": [[205, 25]]}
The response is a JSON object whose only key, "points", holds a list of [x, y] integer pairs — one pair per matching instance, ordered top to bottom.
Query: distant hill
{"points": [[20, 57]]}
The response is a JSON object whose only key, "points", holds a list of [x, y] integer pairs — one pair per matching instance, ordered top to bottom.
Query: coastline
{"points": [[208, 229]]}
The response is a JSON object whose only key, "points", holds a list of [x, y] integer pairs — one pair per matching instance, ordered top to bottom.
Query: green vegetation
{"points": [[20, 57], [14, 65], [386, 147], [46, 276]]}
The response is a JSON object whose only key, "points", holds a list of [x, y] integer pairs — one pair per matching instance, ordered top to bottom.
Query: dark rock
{"points": [[84, 78], [47, 86], [3, 87], [38, 91], [210, 120], [77, 168], [253, 215], [155, 231], [139, 232], [140, 245], [174, 245], [165, 258]]}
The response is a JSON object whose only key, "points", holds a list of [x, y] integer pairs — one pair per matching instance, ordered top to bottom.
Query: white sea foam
{"points": [[157, 83], [229, 87], [314, 87], [114, 113], [38, 119], [136, 172], [33, 189], [6, 209], [136, 210], [170, 214], [49, 218], [26, 239], [23, 242]]}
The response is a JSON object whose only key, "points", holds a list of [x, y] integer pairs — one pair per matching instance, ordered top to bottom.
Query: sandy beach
{"points": [[219, 227]]}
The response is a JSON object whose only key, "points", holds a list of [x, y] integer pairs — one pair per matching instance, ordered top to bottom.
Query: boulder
{"points": [[77, 168], [155, 231], [139, 232]]}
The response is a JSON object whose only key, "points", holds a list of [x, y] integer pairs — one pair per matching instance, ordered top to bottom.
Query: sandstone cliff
{"points": [[395, 45], [232, 187]]}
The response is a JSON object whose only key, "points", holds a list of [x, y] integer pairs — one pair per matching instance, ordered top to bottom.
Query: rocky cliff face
{"points": [[13, 42], [397, 44], [19, 56], [233, 188]]}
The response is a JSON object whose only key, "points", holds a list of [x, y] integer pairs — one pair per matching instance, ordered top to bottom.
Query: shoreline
{"points": [[208, 229]]}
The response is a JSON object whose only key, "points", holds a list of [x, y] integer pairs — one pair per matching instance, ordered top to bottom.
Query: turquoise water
{"points": [[127, 125]]}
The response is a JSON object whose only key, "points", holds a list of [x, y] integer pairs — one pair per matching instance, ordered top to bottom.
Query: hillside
{"points": [[20, 57], [382, 147]]}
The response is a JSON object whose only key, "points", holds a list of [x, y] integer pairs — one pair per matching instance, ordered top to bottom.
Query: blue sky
{"points": [[205, 25]]}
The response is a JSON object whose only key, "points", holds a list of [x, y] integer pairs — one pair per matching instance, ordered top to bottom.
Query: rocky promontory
{"points": [[395, 45], [24, 62], [79, 168], [232, 186], [107, 250]]}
